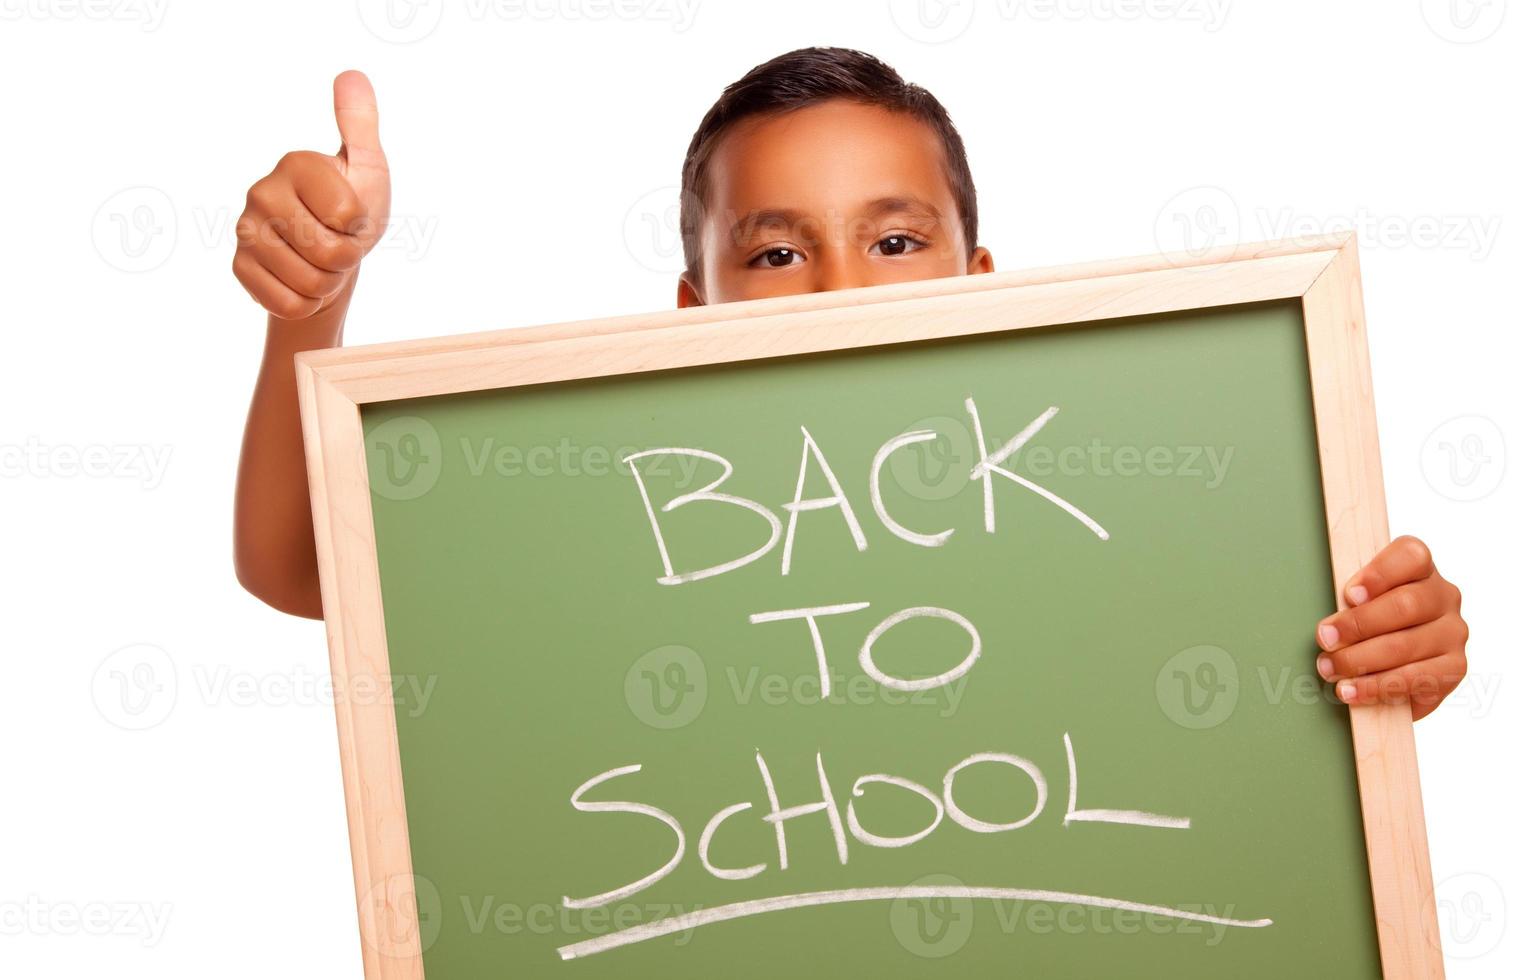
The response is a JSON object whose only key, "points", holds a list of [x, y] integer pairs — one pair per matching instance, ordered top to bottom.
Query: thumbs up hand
{"points": [[310, 222]]}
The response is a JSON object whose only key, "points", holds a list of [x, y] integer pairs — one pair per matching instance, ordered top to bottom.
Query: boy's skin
{"points": [[833, 196]]}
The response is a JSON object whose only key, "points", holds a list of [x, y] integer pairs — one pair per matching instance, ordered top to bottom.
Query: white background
{"points": [[534, 147]]}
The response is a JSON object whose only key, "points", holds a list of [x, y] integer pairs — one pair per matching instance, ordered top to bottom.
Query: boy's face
{"points": [[828, 197]]}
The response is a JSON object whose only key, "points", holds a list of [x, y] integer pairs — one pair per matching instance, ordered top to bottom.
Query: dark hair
{"points": [[805, 78]]}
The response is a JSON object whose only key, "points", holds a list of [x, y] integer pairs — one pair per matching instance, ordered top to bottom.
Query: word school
{"points": [[942, 803]]}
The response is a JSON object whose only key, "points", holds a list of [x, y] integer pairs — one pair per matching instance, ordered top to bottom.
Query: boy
{"points": [[819, 170]]}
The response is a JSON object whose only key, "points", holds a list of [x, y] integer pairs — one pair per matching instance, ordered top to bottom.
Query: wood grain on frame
{"points": [[1322, 272], [1389, 784], [388, 920]]}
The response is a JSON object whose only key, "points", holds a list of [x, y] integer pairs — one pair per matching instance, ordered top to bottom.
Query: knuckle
{"points": [[294, 160], [320, 181], [263, 197], [347, 211], [364, 227], [247, 230], [263, 230], [300, 233], [338, 255], [301, 281], [317, 283], [332, 284], [291, 307], [1416, 551], [1407, 605], [1351, 626], [1398, 648], [1391, 688], [1426, 690]]}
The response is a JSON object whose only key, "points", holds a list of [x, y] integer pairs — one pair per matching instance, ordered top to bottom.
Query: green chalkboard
{"points": [[1171, 654]]}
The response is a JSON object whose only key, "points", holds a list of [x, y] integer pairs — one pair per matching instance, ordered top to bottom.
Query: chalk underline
{"points": [[741, 910]]}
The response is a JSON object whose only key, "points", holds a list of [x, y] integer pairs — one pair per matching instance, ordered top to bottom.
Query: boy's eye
{"points": [[897, 245], [777, 258]]}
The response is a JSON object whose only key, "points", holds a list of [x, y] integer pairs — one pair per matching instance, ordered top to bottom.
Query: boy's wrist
{"points": [[319, 330]]}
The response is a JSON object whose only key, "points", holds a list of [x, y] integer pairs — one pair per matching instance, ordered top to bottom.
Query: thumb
{"points": [[357, 119]]}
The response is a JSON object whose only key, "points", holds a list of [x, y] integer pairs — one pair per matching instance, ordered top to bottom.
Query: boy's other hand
{"points": [[309, 223], [1402, 637]]}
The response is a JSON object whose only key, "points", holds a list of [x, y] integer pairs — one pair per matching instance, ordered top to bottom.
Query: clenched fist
{"points": [[310, 222]]}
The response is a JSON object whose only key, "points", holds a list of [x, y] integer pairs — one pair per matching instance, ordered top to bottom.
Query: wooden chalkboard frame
{"points": [[1321, 272]]}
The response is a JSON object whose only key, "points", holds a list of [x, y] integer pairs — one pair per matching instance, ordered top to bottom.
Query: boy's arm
{"points": [[307, 226], [273, 541]]}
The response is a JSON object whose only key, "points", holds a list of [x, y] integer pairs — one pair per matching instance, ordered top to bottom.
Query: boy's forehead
{"points": [[836, 156]]}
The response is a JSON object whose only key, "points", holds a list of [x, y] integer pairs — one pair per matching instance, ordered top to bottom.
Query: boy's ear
{"points": [[981, 261], [689, 293]]}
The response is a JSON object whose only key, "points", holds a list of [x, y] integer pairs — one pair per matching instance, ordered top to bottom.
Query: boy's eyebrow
{"points": [[914, 206], [880, 207], [770, 218]]}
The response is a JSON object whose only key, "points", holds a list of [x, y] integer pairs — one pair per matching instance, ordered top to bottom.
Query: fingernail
{"points": [[1358, 594], [1328, 636], [1324, 667], [1346, 691]]}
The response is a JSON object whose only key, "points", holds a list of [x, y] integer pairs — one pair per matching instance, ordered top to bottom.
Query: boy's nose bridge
{"points": [[840, 267]]}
